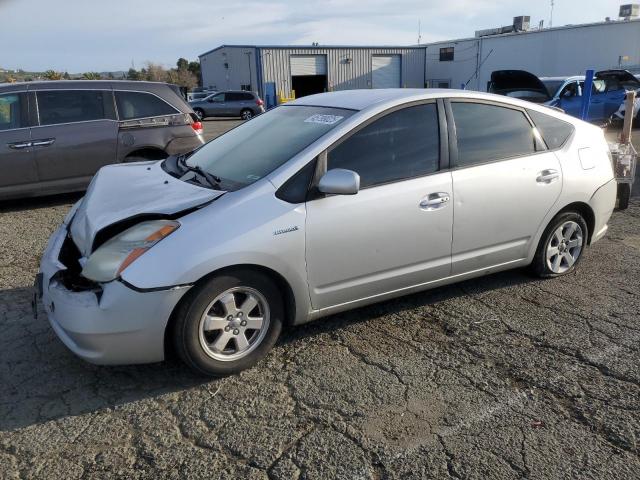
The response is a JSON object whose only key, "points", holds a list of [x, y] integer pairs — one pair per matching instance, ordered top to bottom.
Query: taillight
{"points": [[259, 102], [197, 126]]}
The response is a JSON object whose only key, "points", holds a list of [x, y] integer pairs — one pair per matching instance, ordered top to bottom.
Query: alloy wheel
{"points": [[564, 247], [234, 324]]}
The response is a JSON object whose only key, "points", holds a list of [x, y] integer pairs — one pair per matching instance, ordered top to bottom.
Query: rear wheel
{"points": [[246, 114], [561, 245], [228, 323]]}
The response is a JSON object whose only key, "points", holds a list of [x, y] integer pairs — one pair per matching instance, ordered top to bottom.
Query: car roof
{"points": [[563, 79], [82, 84]]}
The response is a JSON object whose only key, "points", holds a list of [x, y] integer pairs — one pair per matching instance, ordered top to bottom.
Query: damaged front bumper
{"points": [[107, 324]]}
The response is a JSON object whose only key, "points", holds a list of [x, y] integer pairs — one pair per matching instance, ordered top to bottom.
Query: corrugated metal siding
{"points": [[347, 68], [241, 71]]}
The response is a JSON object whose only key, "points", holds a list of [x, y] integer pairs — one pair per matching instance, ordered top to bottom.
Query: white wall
{"points": [[552, 52], [241, 70]]}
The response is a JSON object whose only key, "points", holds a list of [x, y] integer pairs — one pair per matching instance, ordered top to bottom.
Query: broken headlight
{"points": [[111, 258]]}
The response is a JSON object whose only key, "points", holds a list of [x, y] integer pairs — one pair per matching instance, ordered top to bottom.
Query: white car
{"points": [[321, 205]]}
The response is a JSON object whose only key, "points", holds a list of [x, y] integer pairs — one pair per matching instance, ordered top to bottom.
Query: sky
{"points": [[108, 35]]}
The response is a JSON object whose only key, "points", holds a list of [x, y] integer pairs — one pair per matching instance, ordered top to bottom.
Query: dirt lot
{"points": [[501, 377]]}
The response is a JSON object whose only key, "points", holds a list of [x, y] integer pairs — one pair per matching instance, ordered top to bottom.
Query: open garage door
{"points": [[386, 71], [308, 74]]}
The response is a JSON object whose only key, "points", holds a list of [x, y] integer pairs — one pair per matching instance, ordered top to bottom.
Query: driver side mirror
{"points": [[339, 181]]}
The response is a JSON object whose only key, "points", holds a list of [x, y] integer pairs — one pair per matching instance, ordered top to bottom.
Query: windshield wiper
{"points": [[213, 180]]}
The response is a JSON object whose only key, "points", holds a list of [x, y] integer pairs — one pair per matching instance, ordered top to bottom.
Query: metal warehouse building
{"points": [[558, 51], [286, 71]]}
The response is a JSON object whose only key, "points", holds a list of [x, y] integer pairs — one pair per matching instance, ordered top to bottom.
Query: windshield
{"points": [[257, 147]]}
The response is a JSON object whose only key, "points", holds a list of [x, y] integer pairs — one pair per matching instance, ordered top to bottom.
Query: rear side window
{"points": [[238, 97], [141, 105], [68, 106], [13, 111], [489, 132], [555, 132], [402, 144]]}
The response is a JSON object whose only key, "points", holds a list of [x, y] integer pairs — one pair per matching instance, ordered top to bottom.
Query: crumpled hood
{"points": [[121, 191]]}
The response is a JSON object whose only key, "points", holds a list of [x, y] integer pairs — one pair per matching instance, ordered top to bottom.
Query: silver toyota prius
{"points": [[324, 204]]}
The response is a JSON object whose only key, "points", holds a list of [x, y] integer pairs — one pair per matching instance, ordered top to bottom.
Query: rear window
{"points": [[141, 105], [68, 106], [13, 111], [555, 132]]}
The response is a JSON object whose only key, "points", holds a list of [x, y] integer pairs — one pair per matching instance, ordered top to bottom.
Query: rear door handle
{"points": [[45, 142], [19, 145], [547, 176], [433, 201]]}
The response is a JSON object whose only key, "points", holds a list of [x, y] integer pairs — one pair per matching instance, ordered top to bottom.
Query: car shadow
{"points": [[39, 202], [42, 381]]}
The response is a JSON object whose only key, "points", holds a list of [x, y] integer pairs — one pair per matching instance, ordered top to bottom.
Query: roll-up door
{"points": [[308, 65], [386, 71]]}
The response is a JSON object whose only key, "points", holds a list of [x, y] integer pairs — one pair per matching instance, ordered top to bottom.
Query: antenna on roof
{"points": [[551, 17], [419, 33]]}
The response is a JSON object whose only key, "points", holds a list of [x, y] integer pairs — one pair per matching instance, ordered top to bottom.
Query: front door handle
{"points": [[45, 142], [19, 145], [547, 176], [433, 201]]}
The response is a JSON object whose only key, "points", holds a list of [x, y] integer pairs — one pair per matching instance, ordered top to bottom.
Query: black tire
{"points": [[200, 113], [246, 114], [624, 193], [540, 265], [186, 328]]}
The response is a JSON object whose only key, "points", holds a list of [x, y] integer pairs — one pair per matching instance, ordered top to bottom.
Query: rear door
{"points": [[217, 106], [76, 134], [17, 166], [505, 181], [396, 231]]}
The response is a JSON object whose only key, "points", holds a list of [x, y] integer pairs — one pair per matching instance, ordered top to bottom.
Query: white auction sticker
{"points": [[324, 119]]}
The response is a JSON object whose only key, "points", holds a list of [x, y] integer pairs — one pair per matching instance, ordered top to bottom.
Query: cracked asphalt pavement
{"points": [[505, 376]]}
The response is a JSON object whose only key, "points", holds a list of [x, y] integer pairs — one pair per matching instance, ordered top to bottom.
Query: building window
{"points": [[446, 54], [246, 88]]}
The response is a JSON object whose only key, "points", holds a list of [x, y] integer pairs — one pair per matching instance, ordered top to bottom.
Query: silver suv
{"points": [[229, 104], [54, 136]]}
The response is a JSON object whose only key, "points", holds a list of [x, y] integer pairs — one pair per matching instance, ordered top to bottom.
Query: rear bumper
{"points": [[602, 203], [118, 326]]}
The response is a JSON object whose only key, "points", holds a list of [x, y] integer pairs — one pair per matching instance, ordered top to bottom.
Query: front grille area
{"points": [[71, 278]]}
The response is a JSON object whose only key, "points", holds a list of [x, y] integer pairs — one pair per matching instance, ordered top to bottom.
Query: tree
{"points": [[182, 64], [194, 68], [155, 72], [133, 74], [52, 75], [66, 76], [91, 76], [182, 78]]}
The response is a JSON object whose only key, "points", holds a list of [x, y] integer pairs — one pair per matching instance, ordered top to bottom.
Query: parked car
{"points": [[518, 84], [607, 95], [229, 104], [55, 135], [327, 203]]}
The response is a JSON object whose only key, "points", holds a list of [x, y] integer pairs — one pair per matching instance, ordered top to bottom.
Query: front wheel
{"points": [[199, 112], [561, 245], [228, 323]]}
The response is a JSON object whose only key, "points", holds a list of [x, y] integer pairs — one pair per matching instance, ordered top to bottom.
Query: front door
{"points": [[77, 134], [16, 155], [504, 184], [396, 231]]}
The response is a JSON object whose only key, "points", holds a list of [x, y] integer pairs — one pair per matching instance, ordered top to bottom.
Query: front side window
{"points": [[141, 105], [68, 106], [13, 111], [489, 132], [402, 144], [256, 148]]}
